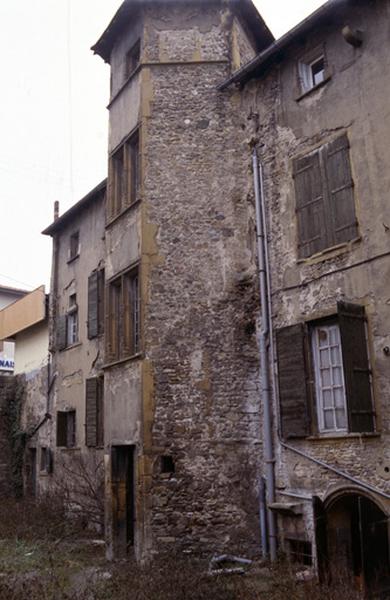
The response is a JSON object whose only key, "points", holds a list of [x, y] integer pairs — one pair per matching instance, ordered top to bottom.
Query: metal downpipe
{"points": [[264, 358]]}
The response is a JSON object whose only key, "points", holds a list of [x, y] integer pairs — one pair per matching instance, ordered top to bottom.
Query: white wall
{"points": [[31, 348]]}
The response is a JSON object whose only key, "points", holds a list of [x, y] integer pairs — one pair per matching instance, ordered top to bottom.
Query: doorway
{"points": [[31, 472], [122, 477], [353, 539]]}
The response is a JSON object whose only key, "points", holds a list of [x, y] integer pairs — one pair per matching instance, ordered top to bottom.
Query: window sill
{"points": [[313, 89], [123, 212], [329, 253], [73, 258], [71, 346], [120, 361], [342, 436], [68, 448]]}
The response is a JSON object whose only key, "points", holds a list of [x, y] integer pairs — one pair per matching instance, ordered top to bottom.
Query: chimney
{"points": [[56, 209]]}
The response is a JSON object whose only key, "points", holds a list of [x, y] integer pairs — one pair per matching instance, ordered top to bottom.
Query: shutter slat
{"points": [[340, 190], [309, 205], [93, 305], [356, 367], [293, 387], [91, 396]]}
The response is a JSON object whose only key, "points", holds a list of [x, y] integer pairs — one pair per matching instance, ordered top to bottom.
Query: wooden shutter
{"points": [[341, 204], [310, 206], [101, 303], [93, 323], [61, 332], [357, 373], [293, 385], [91, 400], [100, 413], [62, 427]]}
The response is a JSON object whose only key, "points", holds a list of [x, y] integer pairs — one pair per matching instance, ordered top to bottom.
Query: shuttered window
{"points": [[123, 177], [325, 204], [96, 303], [123, 316], [324, 375], [94, 407], [66, 428]]}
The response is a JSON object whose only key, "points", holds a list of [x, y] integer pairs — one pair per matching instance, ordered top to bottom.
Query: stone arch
{"points": [[353, 533]]}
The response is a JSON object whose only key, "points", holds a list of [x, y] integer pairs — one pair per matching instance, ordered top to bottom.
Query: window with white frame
{"points": [[312, 70], [72, 321], [325, 375], [329, 378]]}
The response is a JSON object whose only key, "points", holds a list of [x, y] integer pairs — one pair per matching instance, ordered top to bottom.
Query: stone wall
{"points": [[200, 316]]}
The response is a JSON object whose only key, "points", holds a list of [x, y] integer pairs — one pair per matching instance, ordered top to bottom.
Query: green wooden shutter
{"points": [[341, 204], [312, 231], [93, 305], [61, 332], [357, 373], [293, 381], [91, 399]]}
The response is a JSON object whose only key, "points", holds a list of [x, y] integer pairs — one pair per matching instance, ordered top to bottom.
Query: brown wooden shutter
{"points": [[135, 178], [341, 204], [310, 206], [101, 303], [93, 323], [61, 332], [356, 367], [293, 381], [91, 400], [100, 413], [62, 428]]}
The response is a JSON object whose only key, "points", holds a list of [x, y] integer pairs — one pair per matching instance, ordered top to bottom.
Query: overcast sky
{"points": [[53, 120]]}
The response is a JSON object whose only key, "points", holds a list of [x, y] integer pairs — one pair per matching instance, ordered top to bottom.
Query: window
{"points": [[132, 59], [312, 72], [124, 177], [325, 204], [74, 246], [95, 303], [123, 316], [72, 321], [324, 375], [329, 377], [94, 412], [66, 428], [46, 460], [167, 464], [300, 552]]}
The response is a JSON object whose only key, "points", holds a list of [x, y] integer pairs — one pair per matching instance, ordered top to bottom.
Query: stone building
{"points": [[196, 87], [320, 101], [182, 436]]}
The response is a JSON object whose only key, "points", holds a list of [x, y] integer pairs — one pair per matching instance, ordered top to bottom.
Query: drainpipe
{"points": [[269, 459]]}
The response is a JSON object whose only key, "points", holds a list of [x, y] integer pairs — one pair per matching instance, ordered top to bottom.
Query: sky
{"points": [[53, 117]]}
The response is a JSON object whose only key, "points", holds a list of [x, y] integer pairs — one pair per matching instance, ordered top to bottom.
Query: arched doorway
{"points": [[353, 538]]}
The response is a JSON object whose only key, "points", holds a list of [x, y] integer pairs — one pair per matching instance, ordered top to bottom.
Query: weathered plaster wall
{"points": [[304, 290], [72, 366]]}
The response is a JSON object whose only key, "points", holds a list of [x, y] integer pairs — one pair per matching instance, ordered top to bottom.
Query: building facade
{"points": [[8, 295], [168, 357]]}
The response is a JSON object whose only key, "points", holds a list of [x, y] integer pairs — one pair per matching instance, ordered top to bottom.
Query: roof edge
{"points": [[245, 73], [73, 210]]}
